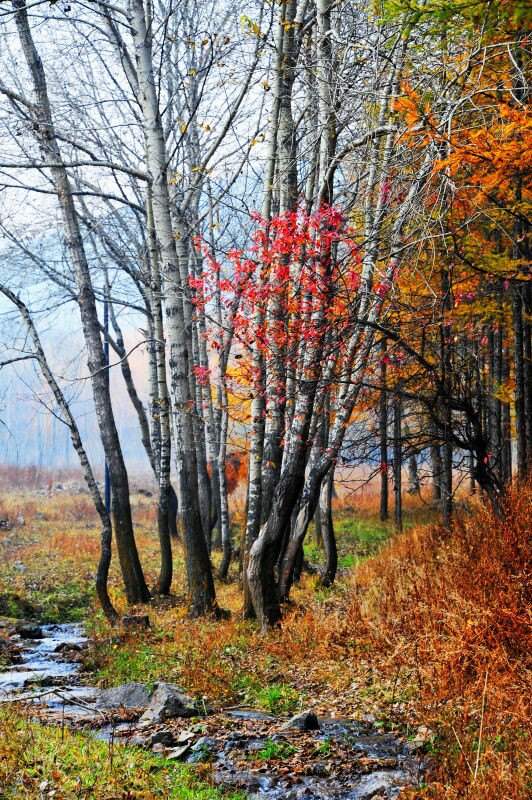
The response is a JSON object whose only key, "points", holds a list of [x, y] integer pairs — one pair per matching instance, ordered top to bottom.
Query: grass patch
{"points": [[37, 596], [278, 699], [274, 751], [38, 761]]}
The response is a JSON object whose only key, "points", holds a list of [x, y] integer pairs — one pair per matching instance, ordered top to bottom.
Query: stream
{"points": [[247, 749]]}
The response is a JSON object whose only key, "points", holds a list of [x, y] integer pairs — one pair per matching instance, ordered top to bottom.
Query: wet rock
{"points": [[136, 621], [30, 631], [73, 647], [9, 652], [130, 695], [167, 701], [306, 721], [377, 745], [239, 780], [378, 783]]}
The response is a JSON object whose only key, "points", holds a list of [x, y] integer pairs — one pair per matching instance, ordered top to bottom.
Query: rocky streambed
{"points": [[266, 756]]}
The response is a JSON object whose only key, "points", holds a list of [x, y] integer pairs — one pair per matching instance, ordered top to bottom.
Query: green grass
{"points": [[360, 535], [41, 593], [135, 660], [278, 698], [274, 751], [37, 761]]}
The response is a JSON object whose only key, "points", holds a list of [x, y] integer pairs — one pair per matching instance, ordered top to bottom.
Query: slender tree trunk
{"points": [[446, 366], [527, 369], [519, 380], [258, 405], [383, 435], [397, 461], [437, 467], [222, 480], [166, 508], [107, 531], [329, 538], [135, 585], [202, 598]]}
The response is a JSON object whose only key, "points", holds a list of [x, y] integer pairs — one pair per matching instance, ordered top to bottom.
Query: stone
{"points": [[136, 621], [30, 631], [70, 646], [9, 652], [129, 695], [166, 702], [306, 721], [162, 736], [203, 743], [178, 753], [376, 783]]}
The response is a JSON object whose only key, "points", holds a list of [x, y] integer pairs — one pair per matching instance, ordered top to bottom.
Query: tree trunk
{"points": [[519, 380], [383, 436], [397, 461], [222, 480], [107, 530], [329, 539], [135, 585], [202, 598]]}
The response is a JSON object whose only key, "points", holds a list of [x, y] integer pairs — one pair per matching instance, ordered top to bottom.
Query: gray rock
{"points": [[30, 631], [72, 646], [130, 695], [167, 701], [306, 721], [162, 736], [203, 743], [178, 753], [378, 782]]}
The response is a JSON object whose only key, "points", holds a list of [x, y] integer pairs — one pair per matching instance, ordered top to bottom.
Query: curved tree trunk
{"points": [[107, 530]]}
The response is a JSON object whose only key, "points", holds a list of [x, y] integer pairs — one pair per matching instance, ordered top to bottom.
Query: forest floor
{"points": [[426, 634]]}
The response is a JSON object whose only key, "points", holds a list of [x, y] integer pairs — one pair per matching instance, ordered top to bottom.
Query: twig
{"points": [[481, 725], [462, 750]]}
